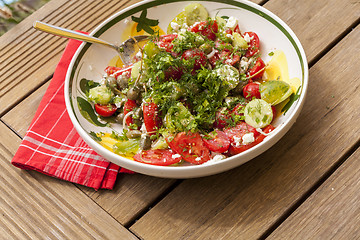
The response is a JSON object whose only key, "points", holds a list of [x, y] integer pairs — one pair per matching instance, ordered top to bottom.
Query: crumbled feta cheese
{"points": [[231, 22], [175, 26], [229, 36], [248, 38], [139, 55], [248, 138], [237, 141], [175, 156], [218, 157], [198, 159]]}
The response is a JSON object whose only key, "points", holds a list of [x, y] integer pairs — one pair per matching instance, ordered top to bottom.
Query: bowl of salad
{"points": [[214, 85]]}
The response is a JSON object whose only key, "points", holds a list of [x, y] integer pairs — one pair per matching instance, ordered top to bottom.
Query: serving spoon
{"points": [[126, 50]]}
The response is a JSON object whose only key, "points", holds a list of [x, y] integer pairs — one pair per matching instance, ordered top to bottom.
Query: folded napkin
{"points": [[52, 145]]}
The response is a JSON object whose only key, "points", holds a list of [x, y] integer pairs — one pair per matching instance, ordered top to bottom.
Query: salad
{"points": [[196, 94]]}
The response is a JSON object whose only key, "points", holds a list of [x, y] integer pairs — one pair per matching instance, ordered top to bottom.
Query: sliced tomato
{"points": [[206, 28], [165, 42], [254, 44], [196, 54], [229, 58], [117, 71], [257, 71], [251, 90], [129, 106], [238, 109], [105, 110], [222, 117], [152, 119], [239, 131], [258, 139], [217, 141], [190, 146], [160, 157]]}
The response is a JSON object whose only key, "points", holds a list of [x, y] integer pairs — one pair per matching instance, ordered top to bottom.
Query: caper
{"points": [[206, 47], [122, 81], [111, 82], [133, 93], [137, 113], [119, 118], [133, 134], [145, 142]]}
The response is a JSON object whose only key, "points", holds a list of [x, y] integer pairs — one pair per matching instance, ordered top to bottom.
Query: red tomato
{"points": [[206, 28], [165, 42], [254, 44], [199, 56], [229, 58], [118, 70], [257, 71], [173, 72], [251, 90], [129, 106], [273, 108], [237, 109], [105, 110], [222, 117], [152, 120], [239, 131], [258, 139], [218, 141], [190, 146], [160, 157]]}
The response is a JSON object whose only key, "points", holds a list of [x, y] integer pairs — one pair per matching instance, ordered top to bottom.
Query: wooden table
{"points": [[305, 187]]}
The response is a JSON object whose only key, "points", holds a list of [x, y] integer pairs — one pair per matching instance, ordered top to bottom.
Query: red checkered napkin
{"points": [[52, 145]]}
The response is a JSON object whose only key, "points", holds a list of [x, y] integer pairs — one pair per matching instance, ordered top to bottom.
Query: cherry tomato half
{"points": [[206, 28], [165, 42], [254, 44], [199, 57], [119, 70], [257, 71], [251, 90], [129, 106], [105, 110], [222, 118], [152, 120], [239, 131], [258, 139], [217, 141], [190, 146], [160, 157]]}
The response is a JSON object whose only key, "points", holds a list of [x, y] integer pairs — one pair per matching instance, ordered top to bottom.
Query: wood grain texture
{"points": [[303, 18], [245, 202], [35, 206], [332, 212]]}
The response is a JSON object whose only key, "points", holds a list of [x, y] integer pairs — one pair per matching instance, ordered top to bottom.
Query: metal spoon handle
{"points": [[70, 34]]}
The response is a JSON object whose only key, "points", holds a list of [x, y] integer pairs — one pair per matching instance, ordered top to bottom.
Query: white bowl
{"points": [[90, 61]]}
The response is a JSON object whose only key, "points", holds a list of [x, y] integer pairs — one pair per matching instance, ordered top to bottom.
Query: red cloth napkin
{"points": [[52, 145]]}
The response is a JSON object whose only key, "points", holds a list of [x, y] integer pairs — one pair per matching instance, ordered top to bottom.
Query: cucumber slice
{"points": [[195, 12], [220, 22], [177, 23], [239, 41], [135, 71], [228, 74], [274, 91], [100, 94], [258, 113], [179, 119]]}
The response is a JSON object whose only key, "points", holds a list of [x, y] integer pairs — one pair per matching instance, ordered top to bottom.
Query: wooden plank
{"points": [[303, 18], [132, 194], [245, 202], [35, 206], [332, 212]]}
